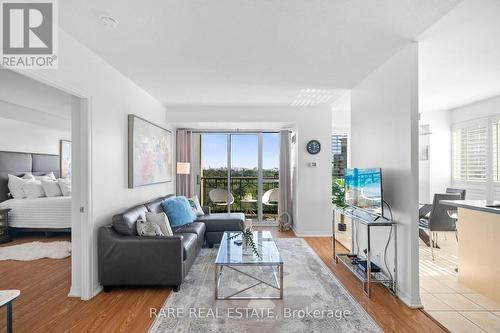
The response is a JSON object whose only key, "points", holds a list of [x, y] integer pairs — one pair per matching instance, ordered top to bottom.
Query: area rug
{"points": [[36, 250], [313, 301]]}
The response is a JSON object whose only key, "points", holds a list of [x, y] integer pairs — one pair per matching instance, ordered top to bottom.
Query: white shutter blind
{"points": [[495, 132], [469, 153]]}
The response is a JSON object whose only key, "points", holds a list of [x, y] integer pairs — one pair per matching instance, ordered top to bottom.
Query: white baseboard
{"points": [[310, 234], [96, 290], [74, 292], [411, 302]]}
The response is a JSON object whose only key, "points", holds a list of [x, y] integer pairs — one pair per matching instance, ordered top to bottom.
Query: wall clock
{"points": [[313, 147]]}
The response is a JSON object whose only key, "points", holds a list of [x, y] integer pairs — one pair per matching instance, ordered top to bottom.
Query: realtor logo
{"points": [[29, 34]]}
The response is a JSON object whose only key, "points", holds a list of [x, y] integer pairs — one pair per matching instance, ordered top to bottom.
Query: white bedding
{"points": [[47, 212]]}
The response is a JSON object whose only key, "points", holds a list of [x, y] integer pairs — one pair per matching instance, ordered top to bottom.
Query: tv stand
{"points": [[366, 276]]}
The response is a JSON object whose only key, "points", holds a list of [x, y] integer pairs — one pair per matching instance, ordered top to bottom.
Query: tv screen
{"points": [[363, 189]]}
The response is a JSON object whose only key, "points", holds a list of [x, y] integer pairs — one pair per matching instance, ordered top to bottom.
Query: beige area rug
{"points": [[314, 300]]}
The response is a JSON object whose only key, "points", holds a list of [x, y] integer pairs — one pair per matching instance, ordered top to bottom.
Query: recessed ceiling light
{"points": [[109, 21], [308, 97]]}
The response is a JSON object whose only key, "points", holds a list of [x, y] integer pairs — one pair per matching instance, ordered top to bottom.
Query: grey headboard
{"points": [[18, 164]]}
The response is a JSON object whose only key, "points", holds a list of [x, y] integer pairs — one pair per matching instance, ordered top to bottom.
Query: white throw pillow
{"points": [[65, 185], [16, 186], [51, 188], [33, 189], [195, 205], [162, 221], [145, 228]]}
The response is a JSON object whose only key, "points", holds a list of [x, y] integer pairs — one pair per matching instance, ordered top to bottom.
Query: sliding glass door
{"points": [[240, 173]]}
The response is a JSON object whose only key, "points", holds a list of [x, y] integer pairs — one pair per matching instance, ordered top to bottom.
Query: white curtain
{"points": [[184, 149], [285, 182]]}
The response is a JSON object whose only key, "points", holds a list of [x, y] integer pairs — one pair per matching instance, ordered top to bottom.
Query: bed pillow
{"points": [[47, 176], [65, 185], [16, 186], [51, 188], [33, 189], [195, 206], [178, 211]]}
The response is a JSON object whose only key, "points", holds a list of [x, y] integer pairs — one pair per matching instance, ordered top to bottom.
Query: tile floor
{"points": [[457, 307]]}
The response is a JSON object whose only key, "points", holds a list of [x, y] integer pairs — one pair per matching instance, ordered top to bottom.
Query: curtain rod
{"points": [[232, 131]]}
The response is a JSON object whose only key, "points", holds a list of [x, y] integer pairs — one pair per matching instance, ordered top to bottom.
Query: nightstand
{"points": [[4, 226]]}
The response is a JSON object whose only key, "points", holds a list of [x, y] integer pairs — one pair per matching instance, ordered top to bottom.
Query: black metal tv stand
{"points": [[366, 277]]}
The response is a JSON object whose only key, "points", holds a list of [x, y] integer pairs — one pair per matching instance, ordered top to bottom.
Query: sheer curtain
{"points": [[184, 151], [285, 182]]}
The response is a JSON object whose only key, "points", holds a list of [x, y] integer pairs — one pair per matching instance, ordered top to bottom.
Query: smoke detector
{"points": [[108, 21]]}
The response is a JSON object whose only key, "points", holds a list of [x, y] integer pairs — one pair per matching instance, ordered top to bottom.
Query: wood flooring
{"points": [[44, 306]]}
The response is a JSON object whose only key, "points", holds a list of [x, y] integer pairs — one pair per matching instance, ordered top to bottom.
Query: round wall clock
{"points": [[313, 147]]}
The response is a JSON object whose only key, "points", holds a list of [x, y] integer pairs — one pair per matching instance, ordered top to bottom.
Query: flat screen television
{"points": [[363, 190]]}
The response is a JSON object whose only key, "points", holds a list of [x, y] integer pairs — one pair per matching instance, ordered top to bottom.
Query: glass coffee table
{"points": [[232, 257]]}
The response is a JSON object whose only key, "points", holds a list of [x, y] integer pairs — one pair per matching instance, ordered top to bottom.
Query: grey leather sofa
{"points": [[128, 259]]}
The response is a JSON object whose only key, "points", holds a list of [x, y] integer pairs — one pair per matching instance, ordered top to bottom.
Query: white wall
{"points": [[112, 97], [480, 109], [384, 133], [30, 138], [439, 164], [313, 214]]}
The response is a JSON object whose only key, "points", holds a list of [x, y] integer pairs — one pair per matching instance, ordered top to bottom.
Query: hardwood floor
{"points": [[44, 306]]}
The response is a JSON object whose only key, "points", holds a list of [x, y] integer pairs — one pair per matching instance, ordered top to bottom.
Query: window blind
{"points": [[470, 153]]}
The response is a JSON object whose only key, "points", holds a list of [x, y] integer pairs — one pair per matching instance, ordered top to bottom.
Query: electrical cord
{"points": [[388, 241]]}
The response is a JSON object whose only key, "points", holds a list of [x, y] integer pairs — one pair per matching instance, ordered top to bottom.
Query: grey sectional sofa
{"points": [[128, 259]]}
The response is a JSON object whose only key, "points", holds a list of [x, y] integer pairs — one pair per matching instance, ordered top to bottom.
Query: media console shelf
{"points": [[366, 277]]}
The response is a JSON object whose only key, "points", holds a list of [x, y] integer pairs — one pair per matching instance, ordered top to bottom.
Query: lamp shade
{"points": [[183, 168]]}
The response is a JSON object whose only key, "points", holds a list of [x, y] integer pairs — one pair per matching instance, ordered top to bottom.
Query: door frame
{"points": [[82, 235]]}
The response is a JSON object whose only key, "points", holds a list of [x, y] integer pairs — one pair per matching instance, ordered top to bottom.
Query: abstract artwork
{"points": [[65, 157], [150, 158]]}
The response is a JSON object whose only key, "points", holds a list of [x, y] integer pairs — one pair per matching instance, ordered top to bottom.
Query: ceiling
{"points": [[247, 52], [459, 58]]}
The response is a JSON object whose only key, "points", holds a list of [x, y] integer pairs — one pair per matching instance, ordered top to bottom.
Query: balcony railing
{"points": [[244, 190]]}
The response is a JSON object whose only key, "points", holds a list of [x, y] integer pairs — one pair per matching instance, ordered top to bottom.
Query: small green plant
{"points": [[338, 192], [247, 239]]}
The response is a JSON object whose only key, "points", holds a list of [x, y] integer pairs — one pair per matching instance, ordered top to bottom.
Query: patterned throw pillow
{"points": [[195, 205], [162, 221], [148, 229]]}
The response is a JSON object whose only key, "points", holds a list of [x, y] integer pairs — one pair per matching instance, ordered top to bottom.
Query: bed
{"points": [[40, 214]]}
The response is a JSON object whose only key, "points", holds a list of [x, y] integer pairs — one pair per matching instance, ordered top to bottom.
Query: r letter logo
{"points": [[29, 31]]}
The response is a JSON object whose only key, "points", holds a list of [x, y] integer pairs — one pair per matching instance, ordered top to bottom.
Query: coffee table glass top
{"points": [[232, 254]]}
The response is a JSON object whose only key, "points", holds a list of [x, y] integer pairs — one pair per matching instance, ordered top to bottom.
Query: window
{"points": [[495, 131], [470, 152], [339, 155]]}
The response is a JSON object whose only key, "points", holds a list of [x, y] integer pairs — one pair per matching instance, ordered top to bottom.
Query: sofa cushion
{"points": [[178, 211], [223, 221], [124, 223], [197, 228], [188, 245]]}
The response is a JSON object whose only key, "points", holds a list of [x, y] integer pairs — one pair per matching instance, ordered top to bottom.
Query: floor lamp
{"points": [[183, 170]]}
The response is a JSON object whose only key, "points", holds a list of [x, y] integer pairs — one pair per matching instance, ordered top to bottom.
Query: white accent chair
{"points": [[219, 197], [271, 197]]}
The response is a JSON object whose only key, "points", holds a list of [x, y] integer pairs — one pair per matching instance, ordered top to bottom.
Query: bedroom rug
{"points": [[36, 250], [313, 301]]}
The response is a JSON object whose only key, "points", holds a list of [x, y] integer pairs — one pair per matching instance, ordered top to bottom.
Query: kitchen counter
{"points": [[478, 205], [478, 246]]}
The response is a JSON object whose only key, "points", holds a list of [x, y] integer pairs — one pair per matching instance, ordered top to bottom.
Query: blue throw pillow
{"points": [[178, 210]]}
